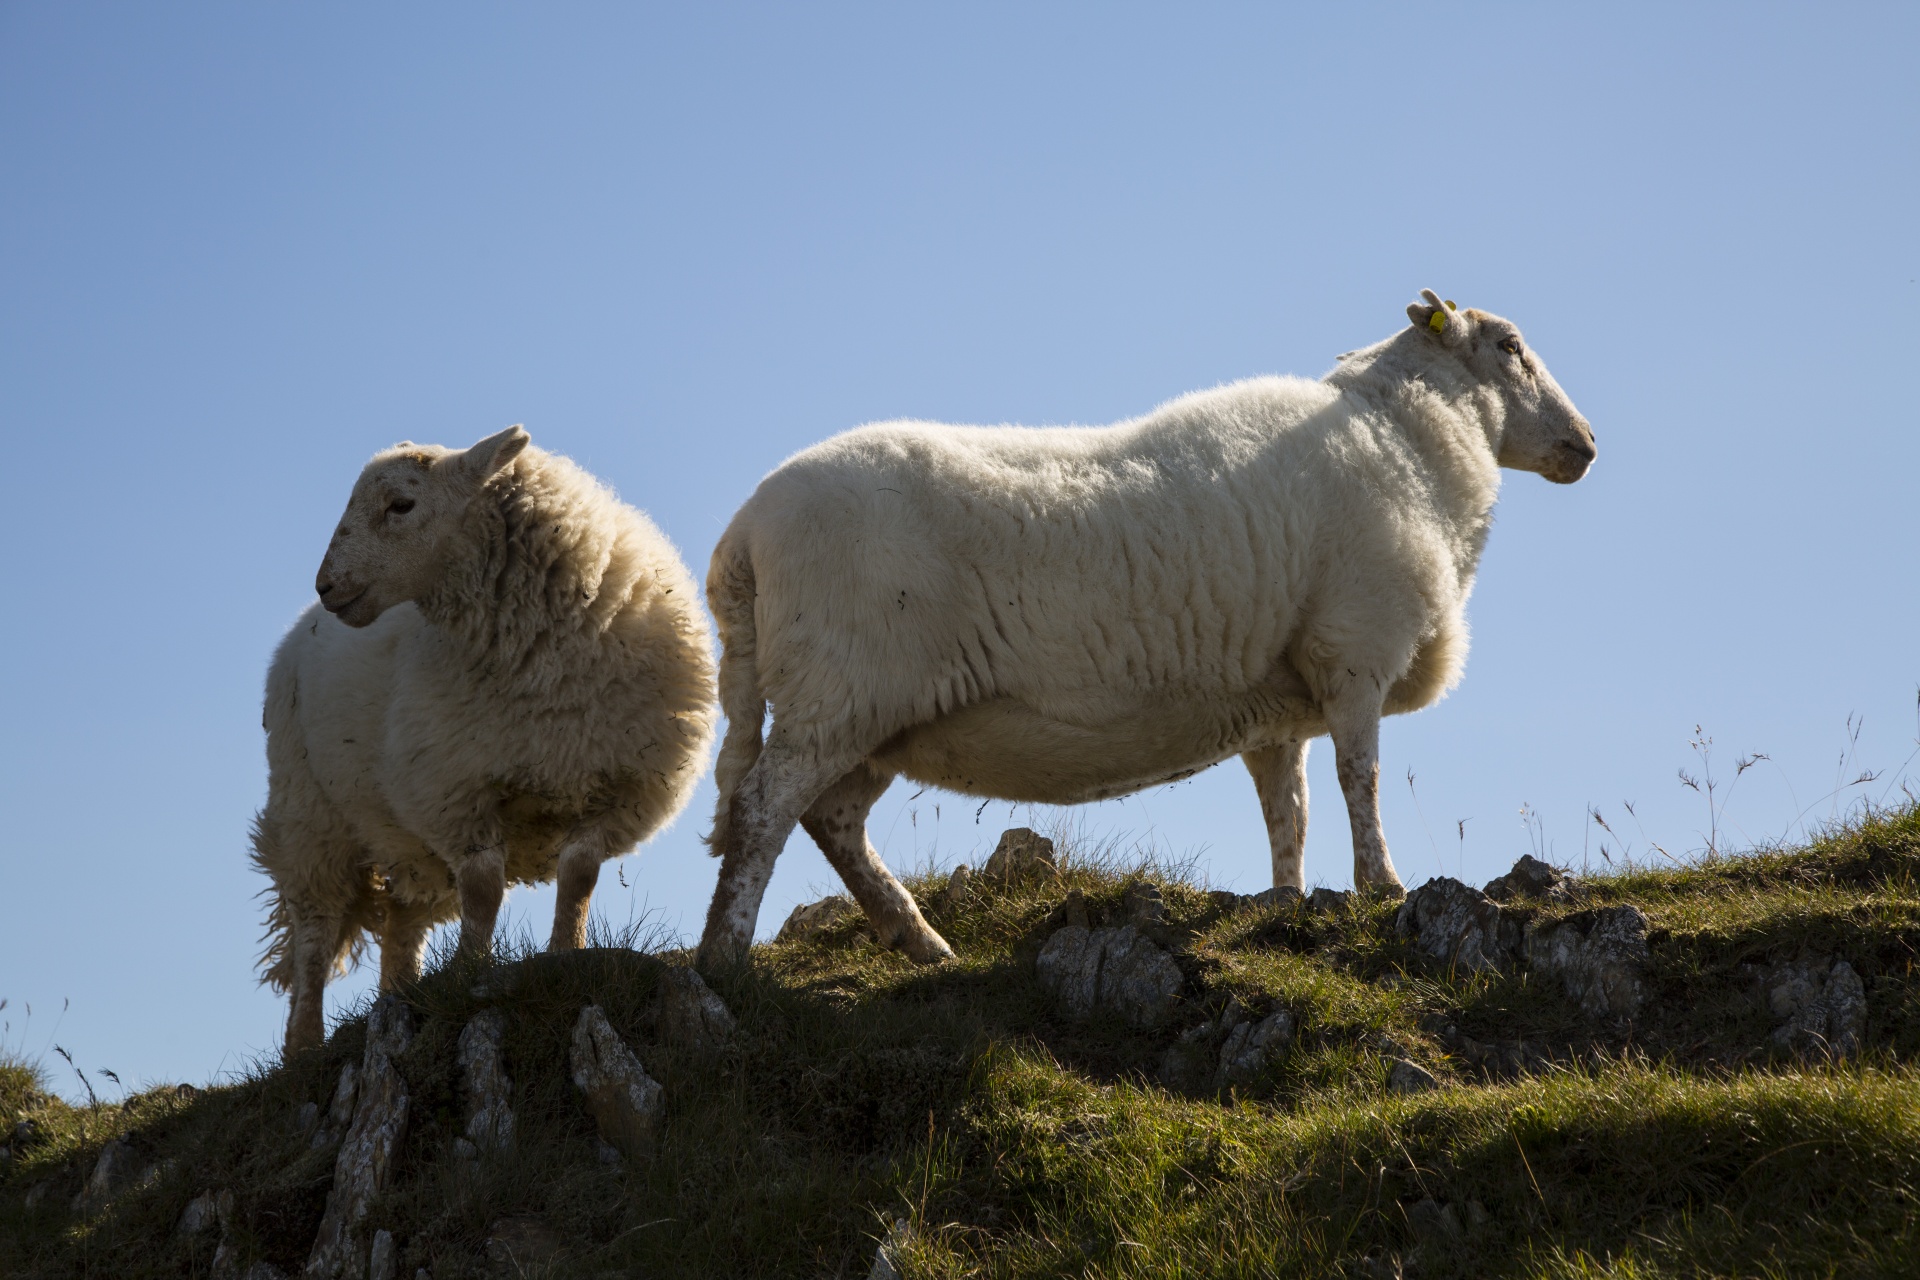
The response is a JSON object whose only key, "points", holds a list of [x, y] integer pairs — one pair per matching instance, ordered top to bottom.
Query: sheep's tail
{"points": [[730, 595], [276, 955], [276, 959]]}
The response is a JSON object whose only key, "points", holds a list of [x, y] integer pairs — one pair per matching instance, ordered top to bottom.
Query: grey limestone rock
{"points": [[1021, 852], [1531, 878], [957, 885], [1327, 900], [810, 918], [1455, 926], [1600, 957], [1117, 971], [1822, 1005], [688, 1013], [1250, 1046], [483, 1075], [1404, 1076], [626, 1102], [340, 1109], [365, 1160], [117, 1168], [204, 1212], [1429, 1220], [886, 1258], [383, 1261]]}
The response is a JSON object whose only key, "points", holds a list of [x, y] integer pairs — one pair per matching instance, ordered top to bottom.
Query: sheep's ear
{"points": [[1440, 318], [496, 451]]}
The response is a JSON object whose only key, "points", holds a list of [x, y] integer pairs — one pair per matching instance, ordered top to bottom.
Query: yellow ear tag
{"points": [[1451, 306], [1438, 322]]}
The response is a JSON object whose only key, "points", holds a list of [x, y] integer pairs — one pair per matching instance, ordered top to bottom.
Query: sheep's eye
{"points": [[1510, 345], [399, 506]]}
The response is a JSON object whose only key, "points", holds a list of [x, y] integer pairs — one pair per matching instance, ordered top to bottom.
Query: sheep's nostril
{"points": [[323, 588]]}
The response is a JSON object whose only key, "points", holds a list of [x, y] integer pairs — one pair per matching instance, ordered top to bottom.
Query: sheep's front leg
{"points": [[1353, 718], [1280, 780], [782, 783], [837, 821], [580, 860], [481, 878], [403, 942]]}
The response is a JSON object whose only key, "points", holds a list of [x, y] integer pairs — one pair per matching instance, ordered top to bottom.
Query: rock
{"points": [[1020, 853], [1532, 878], [956, 891], [1281, 895], [1325, 900], [1143, 904], [1072, 910], [810, 918], [1455, 926], [1600, 957], [1109, 970], [1822, 1005], [689, 1013], [1250, 1046], [483, 1074], [1409, 1077], [626, 1102], [340, 1109], [307, 1118], [27, 1134], [366, 1157], [117, 1168], [36, 1195], [204, 1212], [1430, 1221], [517, 1245], [886, 1258], [383, 1261], [263, 1271]]}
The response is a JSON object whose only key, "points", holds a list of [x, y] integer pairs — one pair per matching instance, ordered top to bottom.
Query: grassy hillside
{"points": [[860, 1091]]}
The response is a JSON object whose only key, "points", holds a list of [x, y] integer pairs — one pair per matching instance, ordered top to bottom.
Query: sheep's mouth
{"points": [[338, 607]]}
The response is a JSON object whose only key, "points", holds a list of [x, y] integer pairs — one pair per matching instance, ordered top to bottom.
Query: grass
{"points": [[862, 1090]]}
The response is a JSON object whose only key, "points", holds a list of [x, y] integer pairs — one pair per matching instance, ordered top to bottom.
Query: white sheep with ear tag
{"points": [[1069, 614]]}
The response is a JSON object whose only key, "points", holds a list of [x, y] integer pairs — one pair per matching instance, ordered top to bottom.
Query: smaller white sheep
{"points": [[508, 677]]}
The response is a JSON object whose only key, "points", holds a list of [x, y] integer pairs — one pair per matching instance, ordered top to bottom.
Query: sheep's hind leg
{"points": [[1353, 718], [1280, 780], [780, 786], [837, 821], [317, 946]]}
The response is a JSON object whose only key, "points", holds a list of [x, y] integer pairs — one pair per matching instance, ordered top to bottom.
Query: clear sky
{"points": [[242, 247]]}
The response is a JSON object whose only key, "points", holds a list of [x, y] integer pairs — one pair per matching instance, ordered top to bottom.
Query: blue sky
{"points": [[242, 247]]}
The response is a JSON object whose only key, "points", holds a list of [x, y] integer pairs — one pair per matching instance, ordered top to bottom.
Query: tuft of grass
{"points": [[862, 1091]]}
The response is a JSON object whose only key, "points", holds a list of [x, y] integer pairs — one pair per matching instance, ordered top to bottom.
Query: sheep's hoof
{"points": [[927, 948]]}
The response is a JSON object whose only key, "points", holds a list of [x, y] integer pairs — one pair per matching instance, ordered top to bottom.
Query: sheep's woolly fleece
{"points": [[559, 672]]}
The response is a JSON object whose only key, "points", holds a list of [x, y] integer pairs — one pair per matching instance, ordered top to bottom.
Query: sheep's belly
{"points": [[1007, 750]]}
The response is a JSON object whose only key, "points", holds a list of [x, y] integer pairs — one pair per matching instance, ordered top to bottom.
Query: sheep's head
{"points": [[1541, 430], [406, 506]]}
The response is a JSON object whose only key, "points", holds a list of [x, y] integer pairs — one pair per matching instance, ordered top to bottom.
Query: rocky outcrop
{"points": [[1458, 929], [1600, 957], [1115, 971], [1822, 1007], [689, 1014], [489, 1093], [627, 1103], [365, 1161]]}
